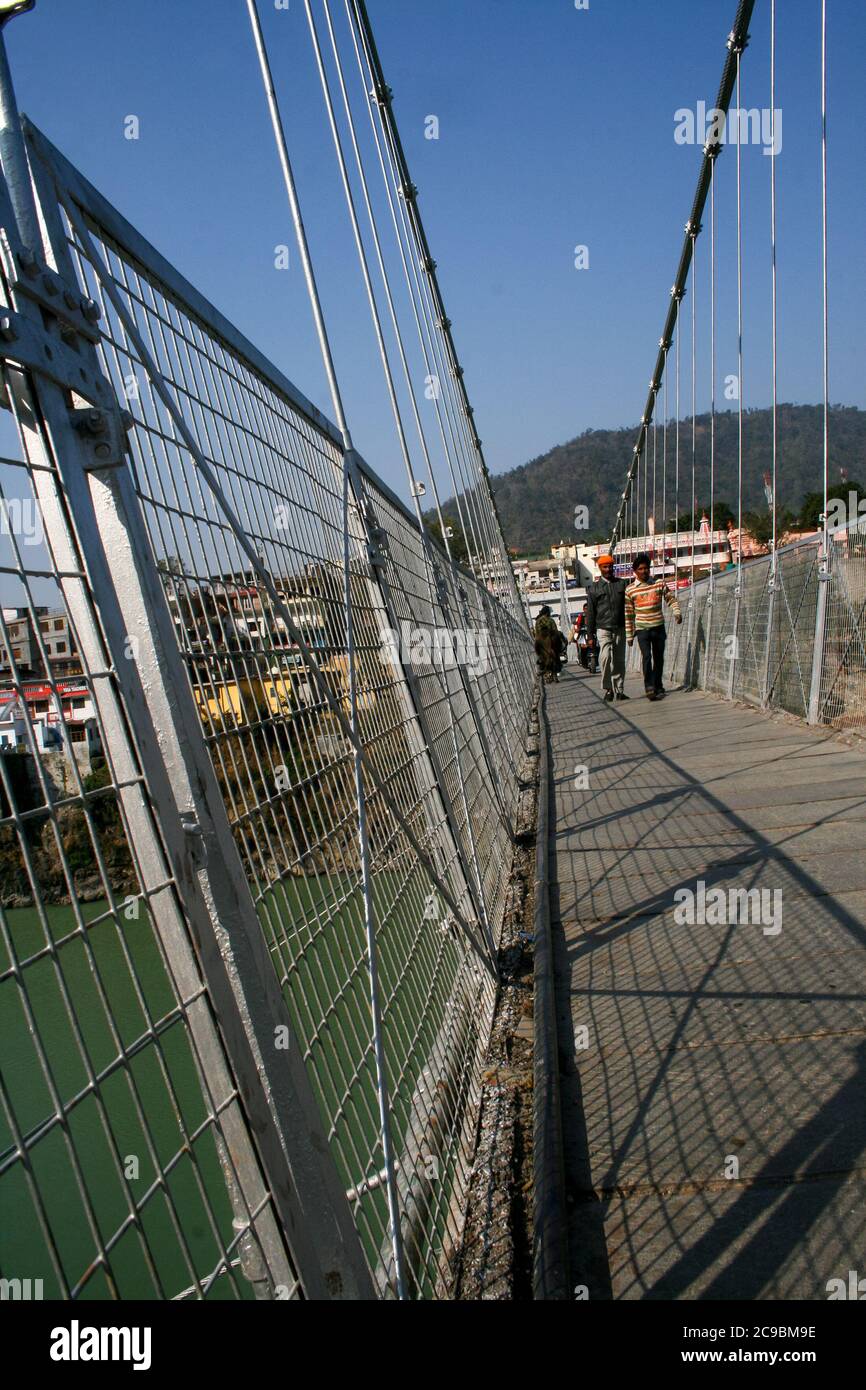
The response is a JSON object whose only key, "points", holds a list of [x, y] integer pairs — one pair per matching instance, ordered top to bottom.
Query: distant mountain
{"points": [[537, 501]]}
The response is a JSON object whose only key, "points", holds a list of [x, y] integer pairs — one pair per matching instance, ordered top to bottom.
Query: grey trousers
{"points": [[612, 643]]}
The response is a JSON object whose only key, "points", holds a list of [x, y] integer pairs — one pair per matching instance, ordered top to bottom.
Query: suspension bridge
{"points": [[258, 907]]}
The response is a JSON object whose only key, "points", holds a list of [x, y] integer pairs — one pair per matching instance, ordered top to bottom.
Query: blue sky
{"points": [[556, 129]]}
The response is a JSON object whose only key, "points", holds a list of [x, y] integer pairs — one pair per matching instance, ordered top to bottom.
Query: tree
{"points": [[813, 503], [721, 511], [760, 524], [456, 541], [171, 566]]}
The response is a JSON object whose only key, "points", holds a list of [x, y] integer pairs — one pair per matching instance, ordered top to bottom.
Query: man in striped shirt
{"points": [[644, 618]]}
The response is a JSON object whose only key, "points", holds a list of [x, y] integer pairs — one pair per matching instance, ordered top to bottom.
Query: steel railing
{"points": [[770, 641], [190, 1095]]}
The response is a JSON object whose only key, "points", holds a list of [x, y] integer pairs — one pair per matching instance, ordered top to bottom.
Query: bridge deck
{"points": [[707, 1042]]}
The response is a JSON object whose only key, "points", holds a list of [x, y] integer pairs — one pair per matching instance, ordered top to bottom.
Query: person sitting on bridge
{"points": [[644, 616], [605, 620], [587, 647]]}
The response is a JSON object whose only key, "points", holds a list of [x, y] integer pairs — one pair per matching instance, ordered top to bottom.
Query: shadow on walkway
{"points": [[713, 1077]]}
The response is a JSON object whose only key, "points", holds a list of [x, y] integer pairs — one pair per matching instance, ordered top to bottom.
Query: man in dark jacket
{"points": [[606, 623]]}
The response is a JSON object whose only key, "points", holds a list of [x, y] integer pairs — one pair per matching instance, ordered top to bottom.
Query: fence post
{"points": [[824, 580], [708, 634], [735, 656], [766, 691], [308, 1198]]}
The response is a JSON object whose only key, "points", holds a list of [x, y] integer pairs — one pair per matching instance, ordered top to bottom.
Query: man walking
{"points": [[644, 616], [605, 621], [547, 648]]}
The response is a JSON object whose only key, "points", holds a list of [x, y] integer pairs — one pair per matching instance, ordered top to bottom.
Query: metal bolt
{"points": [[49, 286], [70, 300], [90, 309], [8, 331], [127, 420], [92, 422], [102, 451]]}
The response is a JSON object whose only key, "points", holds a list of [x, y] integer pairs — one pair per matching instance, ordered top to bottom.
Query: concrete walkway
{"points": [[714, 1073]]}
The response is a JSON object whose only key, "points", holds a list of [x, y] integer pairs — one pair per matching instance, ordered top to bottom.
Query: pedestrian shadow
{"points": [[695, 653]]}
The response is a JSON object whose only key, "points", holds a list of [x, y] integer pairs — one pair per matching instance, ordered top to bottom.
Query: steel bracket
{"points": [[29, 275], [22, 344], [105, 432]]}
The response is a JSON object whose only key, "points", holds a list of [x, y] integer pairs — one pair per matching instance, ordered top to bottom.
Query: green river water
{"points": [[172, 1242]]}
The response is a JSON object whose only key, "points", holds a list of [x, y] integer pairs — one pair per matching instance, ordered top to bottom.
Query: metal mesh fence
{"points": [[777, 620], [792, 631], [723, 637], [678, 640], [696, 654], [751, 666], [842, 695], [472, 704], [442, 727], [121, 1128]]}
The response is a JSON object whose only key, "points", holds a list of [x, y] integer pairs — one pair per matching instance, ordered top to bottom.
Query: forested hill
{"points": [[537, 501]]}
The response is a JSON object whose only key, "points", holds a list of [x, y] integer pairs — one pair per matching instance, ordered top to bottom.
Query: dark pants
{"points": [[652, 649]]}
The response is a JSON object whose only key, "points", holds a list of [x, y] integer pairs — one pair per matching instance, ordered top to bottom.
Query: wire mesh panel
{"points": [[699, 630], [776, 632], [792, 632], [677, 642], [722, 646], [468, 663], [750, 673], [842, 698], [443, 748], [121, 1128]]}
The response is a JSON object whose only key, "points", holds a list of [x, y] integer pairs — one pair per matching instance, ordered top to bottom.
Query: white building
{"points": [[677, 554], [559, 581], [23, 645]]}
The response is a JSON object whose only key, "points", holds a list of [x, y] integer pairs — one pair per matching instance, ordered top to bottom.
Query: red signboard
{"points": [[67, 690]]}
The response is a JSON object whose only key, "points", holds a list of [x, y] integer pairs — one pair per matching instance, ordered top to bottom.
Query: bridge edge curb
{"points": [[549, 1244]]}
